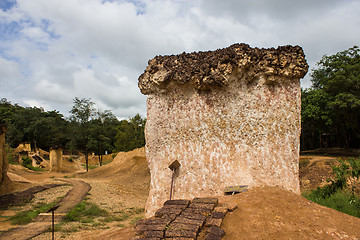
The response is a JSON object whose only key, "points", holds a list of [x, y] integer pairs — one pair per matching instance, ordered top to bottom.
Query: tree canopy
{"points": [[331, 106], [87, 130]]}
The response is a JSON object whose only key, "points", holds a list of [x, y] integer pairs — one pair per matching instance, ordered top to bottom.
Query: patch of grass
{"points": [[27, 162], [107, 162], [90, 166], [35, 168], [338, 194], [341, 200], [136, 210], [85, 212], [25, 217], [120, 218], [135, 219], [97, 224], [67, 228]]}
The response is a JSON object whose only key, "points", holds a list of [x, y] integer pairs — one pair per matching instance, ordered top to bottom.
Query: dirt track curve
{"points": [[44, 221]]}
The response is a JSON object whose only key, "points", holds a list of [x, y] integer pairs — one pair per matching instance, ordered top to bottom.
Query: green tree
{"points": [[339, 76], [336, 87], [7, 110], [81, 114], [316, 117], [34, 125], [102, 132], [130, 134]]}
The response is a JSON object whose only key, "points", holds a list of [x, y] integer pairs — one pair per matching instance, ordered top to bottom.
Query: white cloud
{"points": [[57, 50]]}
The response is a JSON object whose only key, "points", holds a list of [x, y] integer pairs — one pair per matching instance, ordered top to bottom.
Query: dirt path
{"points": [[23, 196], [43, 221]]}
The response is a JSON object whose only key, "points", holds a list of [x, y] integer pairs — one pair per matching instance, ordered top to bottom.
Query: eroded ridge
{"points": [[200, 218]]}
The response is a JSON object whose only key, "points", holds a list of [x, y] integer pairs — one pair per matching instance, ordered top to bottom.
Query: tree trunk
{"points": [[100, 159], [86, 160]]}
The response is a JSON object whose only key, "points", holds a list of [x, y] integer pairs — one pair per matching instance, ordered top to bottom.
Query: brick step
{"points": [[184, 220]]}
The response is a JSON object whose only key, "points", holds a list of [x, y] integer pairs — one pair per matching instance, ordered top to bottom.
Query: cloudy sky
{"points": [[52, 51]]}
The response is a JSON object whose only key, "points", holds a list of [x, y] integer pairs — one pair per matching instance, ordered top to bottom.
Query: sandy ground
{"points": [[120, 187], [262, 213], [273, 213]]}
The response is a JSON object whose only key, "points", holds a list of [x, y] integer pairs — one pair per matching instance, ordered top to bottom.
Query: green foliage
{"points": [[332, 104], [81, 114], [42, 129], [87, 129], [103, 133], [130, 134], [10, 154], [26, 161], [90, 166], [355, 167], [336, 194], [343, 201], [85, 212], [25, 217], [122, 217]]}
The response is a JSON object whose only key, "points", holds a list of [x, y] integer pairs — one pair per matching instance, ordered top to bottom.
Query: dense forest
{"points": [[330, 112], [330, 116], [87, 129]]}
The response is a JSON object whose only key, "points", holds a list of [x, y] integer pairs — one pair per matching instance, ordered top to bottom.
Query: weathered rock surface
{"points": [[206, 70], [230, 117], [56, 159]]}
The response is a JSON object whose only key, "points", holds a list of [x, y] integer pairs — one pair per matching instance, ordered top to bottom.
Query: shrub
{"points": [[26, 161], [337, 195], [85, 212]]}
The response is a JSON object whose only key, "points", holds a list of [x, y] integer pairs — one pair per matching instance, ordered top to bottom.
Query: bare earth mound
{"points": [[129, 166], [269, 213], [273, 213]]}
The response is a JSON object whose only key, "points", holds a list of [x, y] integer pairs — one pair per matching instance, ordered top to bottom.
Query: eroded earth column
{"points": [[230, 117], [4, 164]]}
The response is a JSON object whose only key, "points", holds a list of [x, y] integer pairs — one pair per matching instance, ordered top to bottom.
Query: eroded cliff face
{"points": [[230, 117]]}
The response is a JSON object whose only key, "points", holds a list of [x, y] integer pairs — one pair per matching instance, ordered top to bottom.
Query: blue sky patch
{"points": [[7, 4]]}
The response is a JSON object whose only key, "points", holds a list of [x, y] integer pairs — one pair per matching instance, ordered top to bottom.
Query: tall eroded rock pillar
{"points": [[230, 117], [56, 159], [4, 164]]}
